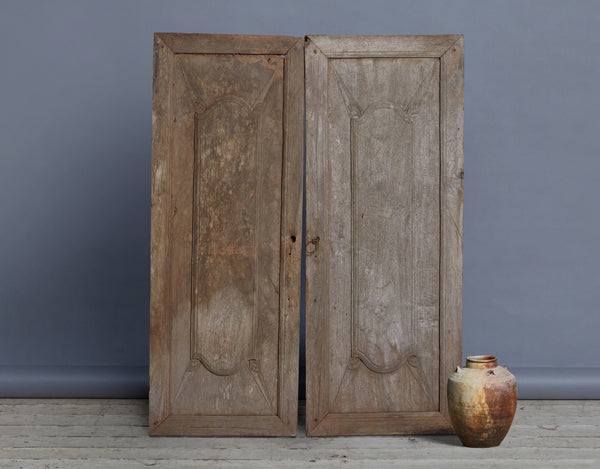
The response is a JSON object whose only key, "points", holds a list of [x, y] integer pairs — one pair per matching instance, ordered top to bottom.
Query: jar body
{"points": [[482, 400]]}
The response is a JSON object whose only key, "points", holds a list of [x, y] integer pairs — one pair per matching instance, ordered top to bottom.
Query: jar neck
{"points": [[482, 362]]}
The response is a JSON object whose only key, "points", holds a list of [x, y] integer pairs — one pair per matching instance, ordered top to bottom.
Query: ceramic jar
{"points": [[482, 399]]}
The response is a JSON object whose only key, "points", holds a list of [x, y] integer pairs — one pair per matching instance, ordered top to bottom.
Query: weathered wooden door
{"points": [[384, 149], [226, 230]]}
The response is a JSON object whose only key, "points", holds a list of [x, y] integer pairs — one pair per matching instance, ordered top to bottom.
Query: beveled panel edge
{"points": [[200, 43], [384, 46], [383, 423], [219, 425]]}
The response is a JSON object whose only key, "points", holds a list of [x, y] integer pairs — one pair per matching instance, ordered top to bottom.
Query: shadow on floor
{"points": [[449, 440]]}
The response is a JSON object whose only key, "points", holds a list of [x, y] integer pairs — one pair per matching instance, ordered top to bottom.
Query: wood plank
{"points": [[182, 43], [384, 46], [228, 162], [451, 211], [317, 223], [160, 231], [291, 235], [384, 269], [46, 402], [27, 405], [561, 406], [92, 408], [9, 419], [554, 419], [68, 420], [218, 425], [77, 431], [547, 431], [243, 447], [441, 453], [334, 461]]}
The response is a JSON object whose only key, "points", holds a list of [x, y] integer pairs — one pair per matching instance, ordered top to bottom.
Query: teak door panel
{"points": [[226, 214], [384, 231]]}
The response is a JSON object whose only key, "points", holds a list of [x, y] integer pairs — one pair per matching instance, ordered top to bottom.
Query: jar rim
{"points": [[482, 358]]}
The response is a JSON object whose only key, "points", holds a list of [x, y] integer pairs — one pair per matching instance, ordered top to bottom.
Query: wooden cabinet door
{"points": [[384, 165], [226, 231]]}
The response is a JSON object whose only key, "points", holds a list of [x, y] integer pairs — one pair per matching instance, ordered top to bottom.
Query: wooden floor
{"points": [[85, 433]]}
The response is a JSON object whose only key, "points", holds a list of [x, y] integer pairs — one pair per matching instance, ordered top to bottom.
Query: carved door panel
{"points": [[226, 208], [384, 232]]}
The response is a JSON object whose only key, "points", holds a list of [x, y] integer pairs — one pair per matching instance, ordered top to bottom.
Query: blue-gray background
{"points": [[75, 137]]}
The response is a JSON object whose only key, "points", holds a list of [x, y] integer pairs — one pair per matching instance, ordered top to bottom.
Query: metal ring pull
{"points": [[312, 246]]}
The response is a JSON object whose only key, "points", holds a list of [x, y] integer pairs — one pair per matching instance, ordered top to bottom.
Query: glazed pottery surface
{"points": [[482, 399]]}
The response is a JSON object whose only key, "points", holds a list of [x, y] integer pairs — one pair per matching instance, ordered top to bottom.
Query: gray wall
{"points": [[75, 130]]}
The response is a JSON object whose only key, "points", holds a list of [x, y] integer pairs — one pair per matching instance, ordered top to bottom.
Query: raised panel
{"points": [[226, 151], [382, 269], [376, 354]]}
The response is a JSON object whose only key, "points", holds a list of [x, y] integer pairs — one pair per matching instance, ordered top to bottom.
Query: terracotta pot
{"points": [[482, 399]]}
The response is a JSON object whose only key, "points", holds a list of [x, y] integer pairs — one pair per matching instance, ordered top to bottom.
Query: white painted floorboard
{"points": [[112, 433]]}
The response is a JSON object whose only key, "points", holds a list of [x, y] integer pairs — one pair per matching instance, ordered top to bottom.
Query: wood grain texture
{"points": [[181, 43], [384, 46], [451, 184], [226, 212], [317, 222], [160, 261], [384, 273], [112, 433]]}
